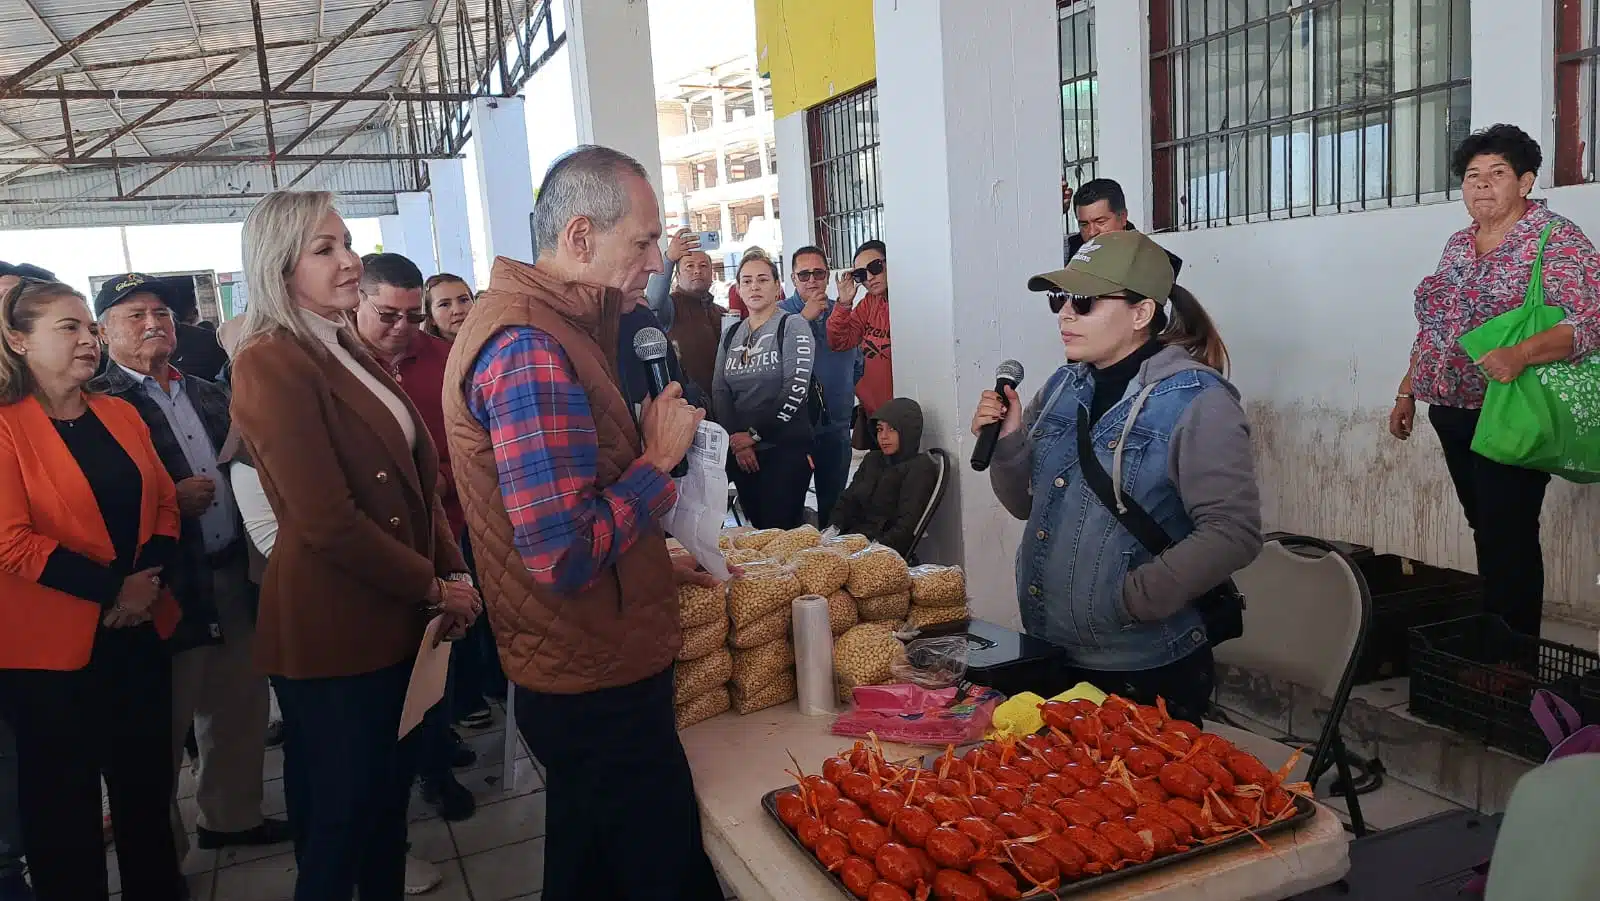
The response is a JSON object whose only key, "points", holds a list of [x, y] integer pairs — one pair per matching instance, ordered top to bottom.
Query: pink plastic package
{"points": [[914, 715]]}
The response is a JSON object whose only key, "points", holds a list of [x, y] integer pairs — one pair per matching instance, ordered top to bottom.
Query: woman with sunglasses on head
{"points": [[446, 299], [866, 326], [1144, 392], [760, 394], [88, 520], [363, 557]]}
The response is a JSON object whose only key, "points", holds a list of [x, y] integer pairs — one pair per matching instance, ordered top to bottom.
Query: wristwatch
{"points": [[754, 435], [459, 577]]}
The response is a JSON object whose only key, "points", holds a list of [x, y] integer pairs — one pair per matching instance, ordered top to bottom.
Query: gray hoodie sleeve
{"points": [[658, 295], [1212, 465], [1011, 469]]}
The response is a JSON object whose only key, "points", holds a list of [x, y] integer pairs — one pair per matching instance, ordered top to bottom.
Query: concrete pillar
{"points": [[1122, 51], [613, 79], [1522, 91], [971, 163], [505, 178], [794, 187], [766, 207], [416, 221], [727, 221], [452, 232], [392, 233]]}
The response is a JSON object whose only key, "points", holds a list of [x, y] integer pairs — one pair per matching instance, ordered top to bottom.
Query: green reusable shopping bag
{"points": [[1548, 418]]}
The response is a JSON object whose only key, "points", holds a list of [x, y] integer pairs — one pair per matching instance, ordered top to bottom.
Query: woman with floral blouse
{"points": [[1484, 272]]}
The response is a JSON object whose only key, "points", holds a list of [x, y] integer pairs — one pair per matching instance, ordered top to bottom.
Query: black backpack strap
{"points": [[1139, 523]]}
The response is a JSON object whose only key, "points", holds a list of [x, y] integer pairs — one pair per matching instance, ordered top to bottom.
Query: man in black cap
{"points": [[215, 686], [13, 887]]}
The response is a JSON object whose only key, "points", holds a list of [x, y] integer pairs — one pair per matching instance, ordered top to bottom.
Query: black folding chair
{"points": [[942, 461]]}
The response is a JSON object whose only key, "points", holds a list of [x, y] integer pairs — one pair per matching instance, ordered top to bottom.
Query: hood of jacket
{"points": [[1172, 360], [904, 415]]}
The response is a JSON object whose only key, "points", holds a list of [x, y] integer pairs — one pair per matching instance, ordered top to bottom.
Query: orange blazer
{"points": [[45, 503]]}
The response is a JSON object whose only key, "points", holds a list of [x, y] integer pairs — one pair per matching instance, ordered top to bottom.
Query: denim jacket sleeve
{"points": [[1213, 467]]}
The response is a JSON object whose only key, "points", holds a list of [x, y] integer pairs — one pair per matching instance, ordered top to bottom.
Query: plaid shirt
{"points": [[525, 392]]}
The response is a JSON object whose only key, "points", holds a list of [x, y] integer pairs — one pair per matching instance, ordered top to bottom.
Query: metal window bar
{"points": [[1577, 80], [1079, 82], [1348, 130], [846, 190]]}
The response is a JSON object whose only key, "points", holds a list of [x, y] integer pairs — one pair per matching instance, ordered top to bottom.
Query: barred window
{"points": [[1577, 49], [1270, 109], [1080, 125], [847, 195]]}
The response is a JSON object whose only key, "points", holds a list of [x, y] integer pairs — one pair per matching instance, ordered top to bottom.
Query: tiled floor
{"points": [[497, 855]]}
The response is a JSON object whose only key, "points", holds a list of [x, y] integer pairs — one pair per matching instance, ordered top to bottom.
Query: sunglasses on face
{"points": [[865, 272], [811, 275], [1081, 303], [390, 317]]}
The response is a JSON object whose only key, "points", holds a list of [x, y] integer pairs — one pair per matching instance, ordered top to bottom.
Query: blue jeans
{"points": [[830, 455], [10, 818]]}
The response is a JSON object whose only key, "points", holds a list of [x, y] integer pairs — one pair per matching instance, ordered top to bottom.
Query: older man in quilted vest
{"points": [[564, 494]]}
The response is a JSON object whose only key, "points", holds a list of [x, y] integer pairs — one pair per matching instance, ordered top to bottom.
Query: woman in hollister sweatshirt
{"points": [[760, 393]]}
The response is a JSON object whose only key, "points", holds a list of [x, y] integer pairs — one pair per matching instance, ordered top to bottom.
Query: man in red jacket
{"points": [[866, 326]]}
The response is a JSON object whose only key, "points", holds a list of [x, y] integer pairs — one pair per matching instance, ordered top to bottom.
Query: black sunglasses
{"points": [[865, 272], [811, 275], [1081, 303], [390, 317]]}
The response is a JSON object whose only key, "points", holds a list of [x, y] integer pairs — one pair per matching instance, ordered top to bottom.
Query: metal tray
{"points": [[1304, 810]]}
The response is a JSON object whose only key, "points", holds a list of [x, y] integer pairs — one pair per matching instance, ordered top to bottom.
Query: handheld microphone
{"points": [[650, 346], [1006, 375]]}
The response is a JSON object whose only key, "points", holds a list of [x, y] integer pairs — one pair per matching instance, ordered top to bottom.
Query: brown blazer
{"points": [[361, 533]]}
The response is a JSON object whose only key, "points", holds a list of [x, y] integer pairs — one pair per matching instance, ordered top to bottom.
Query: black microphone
{"points": [[650, 346], [1006, 375]]}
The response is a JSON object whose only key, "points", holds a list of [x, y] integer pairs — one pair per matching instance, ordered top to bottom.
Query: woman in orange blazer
{"points": [[88, 518]]}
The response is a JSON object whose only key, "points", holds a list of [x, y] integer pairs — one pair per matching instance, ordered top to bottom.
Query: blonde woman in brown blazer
{"points": [[363, 556]]}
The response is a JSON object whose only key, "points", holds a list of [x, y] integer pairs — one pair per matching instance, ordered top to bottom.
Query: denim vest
{"points": [[1075, 554]]}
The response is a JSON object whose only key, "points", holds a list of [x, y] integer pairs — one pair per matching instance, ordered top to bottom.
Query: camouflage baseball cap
{"points": [[1112, 262]]}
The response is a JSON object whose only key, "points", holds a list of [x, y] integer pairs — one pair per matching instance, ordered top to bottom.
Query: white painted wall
{"points": [[613, 84], [552, 125], [971, 165], [505, 178], [794, 182], [416, 221], [452, 225], [393, 234]]}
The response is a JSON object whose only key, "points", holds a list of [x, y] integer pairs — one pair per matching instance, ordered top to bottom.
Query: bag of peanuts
{"points": [[725, 539], [755, 541], [788, 543], [847, 544], [742, 558], [821, 570], [877, 570], [938, 586], [759, 589], [699, 605], [885, 607], [842, 612], [922, 617], [771, 627], [702, 640], [863, 655], [754, 667], [693, 678], [778, 691], [715, 702]]}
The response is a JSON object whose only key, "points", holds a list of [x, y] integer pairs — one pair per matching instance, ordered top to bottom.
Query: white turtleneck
{"points": [[327, 331]]}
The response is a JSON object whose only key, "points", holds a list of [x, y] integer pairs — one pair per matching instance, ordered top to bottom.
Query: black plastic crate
{"points": [[1407, 594], [1477, 676]]}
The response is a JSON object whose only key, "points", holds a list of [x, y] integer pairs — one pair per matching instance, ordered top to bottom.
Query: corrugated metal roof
{"points": [[180, 45]]}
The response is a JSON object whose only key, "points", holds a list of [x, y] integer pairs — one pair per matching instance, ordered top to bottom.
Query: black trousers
{"points": [[775, 497], [1502, 505], [473, 659], [1185, 684], [113, 717], [347, 779], [622, 820]]}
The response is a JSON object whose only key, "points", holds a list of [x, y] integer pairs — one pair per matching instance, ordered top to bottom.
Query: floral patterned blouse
{"points": [[1468, 290]]}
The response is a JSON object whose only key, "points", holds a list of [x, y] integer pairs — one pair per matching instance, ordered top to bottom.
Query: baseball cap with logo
{"points": [[1112, 262], [118, 289]]}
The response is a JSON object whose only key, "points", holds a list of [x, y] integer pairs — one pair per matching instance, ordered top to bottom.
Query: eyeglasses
{"points": [[811, 275], [861, 275], [1081, 303], [390, 317]]}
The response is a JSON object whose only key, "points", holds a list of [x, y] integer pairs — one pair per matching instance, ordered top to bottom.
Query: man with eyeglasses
{"points": [[389, 319], [836, 372], [216, 688]]}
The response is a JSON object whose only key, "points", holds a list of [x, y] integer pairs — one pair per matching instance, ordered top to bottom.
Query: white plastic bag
{"points": [[696, 520]]}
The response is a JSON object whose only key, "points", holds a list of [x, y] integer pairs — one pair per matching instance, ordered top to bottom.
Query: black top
{"points": [[1111, 382], [118, 490]]}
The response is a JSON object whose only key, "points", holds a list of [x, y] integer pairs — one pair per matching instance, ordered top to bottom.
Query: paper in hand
{"points": [[696, 520], [428, 676]]}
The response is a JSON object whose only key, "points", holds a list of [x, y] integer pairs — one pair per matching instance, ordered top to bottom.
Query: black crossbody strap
{"points": [[1139, 523]]}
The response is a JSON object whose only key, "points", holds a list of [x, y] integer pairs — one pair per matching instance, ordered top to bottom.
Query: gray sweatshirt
{"points": [[763, 386], [1211, 465]]}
